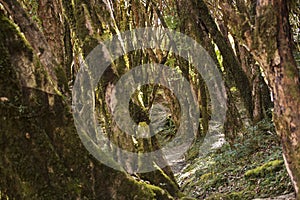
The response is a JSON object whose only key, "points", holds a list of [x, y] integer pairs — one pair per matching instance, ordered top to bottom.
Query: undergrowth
{"points": [[253, 168]]}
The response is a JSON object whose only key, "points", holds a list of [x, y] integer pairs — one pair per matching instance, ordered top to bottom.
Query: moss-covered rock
{"points": [[266, 168]]}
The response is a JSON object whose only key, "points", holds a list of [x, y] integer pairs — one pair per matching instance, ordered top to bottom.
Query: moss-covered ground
{"points": [[252, 168]]}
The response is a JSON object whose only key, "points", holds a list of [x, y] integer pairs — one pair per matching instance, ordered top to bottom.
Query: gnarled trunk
{"points": [[282, 73]]}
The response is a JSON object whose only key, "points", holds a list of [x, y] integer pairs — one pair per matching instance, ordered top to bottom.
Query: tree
{"points": [[263, 28], [43, 43], [41, 154]]}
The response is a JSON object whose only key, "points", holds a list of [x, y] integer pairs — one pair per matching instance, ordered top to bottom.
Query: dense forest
{"points": [[149, 99]]}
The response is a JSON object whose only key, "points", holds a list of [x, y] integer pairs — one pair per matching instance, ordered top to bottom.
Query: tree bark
{"points": [[266, 35], [36, 39], [231, 65], [283, 77], [286, 90], [38, 140]]}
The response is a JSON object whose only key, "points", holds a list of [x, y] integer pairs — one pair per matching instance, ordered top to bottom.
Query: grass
{"points": [[253, 168]]}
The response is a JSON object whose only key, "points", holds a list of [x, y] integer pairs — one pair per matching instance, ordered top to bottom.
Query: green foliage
{"points": [[171, 21], [168, 132], [252, 168]]}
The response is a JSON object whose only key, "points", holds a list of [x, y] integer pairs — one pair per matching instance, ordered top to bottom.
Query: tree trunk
{"points": [[266, 35], [231, 64], [282, 73], [287, 96], [41, 156]]}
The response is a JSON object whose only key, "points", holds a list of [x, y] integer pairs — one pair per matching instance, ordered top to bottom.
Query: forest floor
{"points": [[252, 168]]}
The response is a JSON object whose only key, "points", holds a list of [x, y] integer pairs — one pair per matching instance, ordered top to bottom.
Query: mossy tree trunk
{"points": [[193, 24], [263, 28], [265, 33], [270, 44], [231, 64], [283, 77], [261, 97], [41, 155]]}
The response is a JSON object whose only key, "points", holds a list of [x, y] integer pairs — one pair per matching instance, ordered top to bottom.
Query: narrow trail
{"points": [[212, 141], [178, 165], [184, 172]]}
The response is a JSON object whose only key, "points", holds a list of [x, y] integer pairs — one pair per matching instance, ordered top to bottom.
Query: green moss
{"points": [[32, 7], [81, 30], [10, 32], [12, 42], [89, 43], [41, 75], [62, 79], [39, 144], [266, 168], [206, 176], [160, 179], [171, 186], [142, 191], [158, 192], [187, 198]]}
